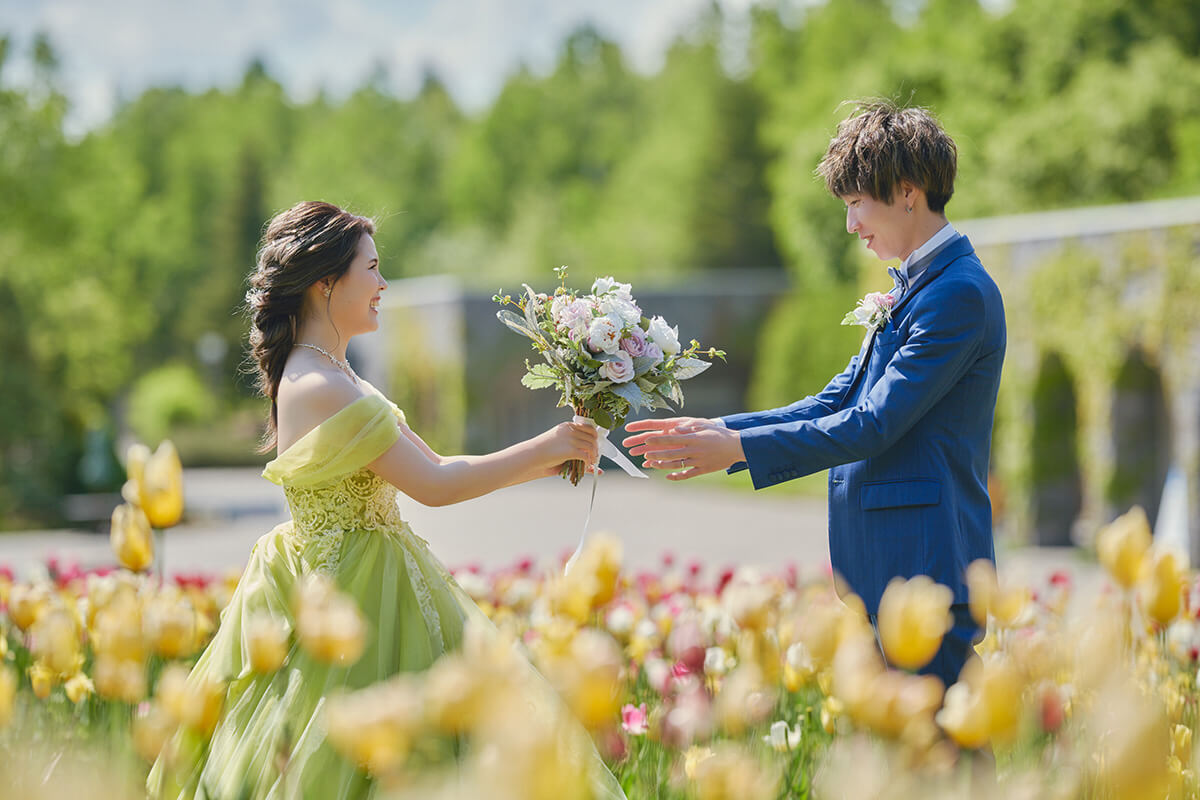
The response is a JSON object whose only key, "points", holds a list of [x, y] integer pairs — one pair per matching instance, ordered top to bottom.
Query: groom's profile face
{"points": [[883, 226]]}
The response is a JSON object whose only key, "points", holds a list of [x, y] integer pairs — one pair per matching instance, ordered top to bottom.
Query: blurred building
{"points": [[1100, 399]]}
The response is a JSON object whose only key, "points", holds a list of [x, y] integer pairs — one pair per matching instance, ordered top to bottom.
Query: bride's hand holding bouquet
{"points": [[602, 354]]}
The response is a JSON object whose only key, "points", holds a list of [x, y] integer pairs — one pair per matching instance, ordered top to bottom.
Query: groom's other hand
{"points": [[688, 446]]}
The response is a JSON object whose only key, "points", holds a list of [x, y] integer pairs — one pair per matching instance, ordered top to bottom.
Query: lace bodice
{"points": [[322, 514]]}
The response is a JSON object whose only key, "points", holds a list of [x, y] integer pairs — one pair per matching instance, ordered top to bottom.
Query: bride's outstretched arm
{"points": [[414, 468]]}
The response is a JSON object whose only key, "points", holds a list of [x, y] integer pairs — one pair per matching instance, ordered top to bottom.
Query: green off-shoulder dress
{"points": [[346, 523]]}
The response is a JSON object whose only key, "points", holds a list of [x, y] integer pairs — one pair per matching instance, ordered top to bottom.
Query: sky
{"points": [[109, 49]]}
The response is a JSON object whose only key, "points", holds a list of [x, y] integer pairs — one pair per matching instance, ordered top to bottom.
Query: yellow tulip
{"points": [[135, 470], [162, 487], [132, 541], [1122, 545], [601, 559], [981, 588], [1162, 588], [26, 603], [1010, 604], [913, 617], [169, 624], [329, 625], [117, 630], [55, 642], [267, 643], [798, 667], [42, 679], [120, 679], [79, 687], [8, 693], [170, 693], [456, 694], [192, 703], [202, 705], [984, 706], [964, 717], [375, 727], [151, 732], [1132, 737], [1181, 743], [693, 757], [731, 773]]}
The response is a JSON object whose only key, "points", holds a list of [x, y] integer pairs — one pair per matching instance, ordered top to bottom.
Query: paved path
{"points": [[228, 509]]}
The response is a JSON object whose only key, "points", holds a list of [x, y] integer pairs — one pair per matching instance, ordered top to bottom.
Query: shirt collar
{"points": [[944, 235]]}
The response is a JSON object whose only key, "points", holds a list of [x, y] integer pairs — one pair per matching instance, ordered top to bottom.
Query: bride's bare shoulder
{"points": [[306, 398]]}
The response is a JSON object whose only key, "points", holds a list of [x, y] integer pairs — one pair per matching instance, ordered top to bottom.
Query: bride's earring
{"points": [[329, 291]]}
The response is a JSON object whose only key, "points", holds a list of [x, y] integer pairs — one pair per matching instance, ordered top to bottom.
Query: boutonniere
{"points": [[872, 312]]}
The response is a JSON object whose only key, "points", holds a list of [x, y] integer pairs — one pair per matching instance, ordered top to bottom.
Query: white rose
{"points": [[605, 285], [622, 308], [575, 316], [604, 335], [664, 335], [655, 352], [619, 371]]}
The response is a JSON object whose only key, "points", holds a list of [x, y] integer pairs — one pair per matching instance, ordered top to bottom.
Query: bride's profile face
{"points": [[354, 301]]}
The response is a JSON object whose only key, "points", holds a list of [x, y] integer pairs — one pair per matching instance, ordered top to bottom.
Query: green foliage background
{"points": [[123, 250]]}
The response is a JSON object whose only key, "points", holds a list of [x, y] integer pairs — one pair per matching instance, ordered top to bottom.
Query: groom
{"points": [[905, 430]]}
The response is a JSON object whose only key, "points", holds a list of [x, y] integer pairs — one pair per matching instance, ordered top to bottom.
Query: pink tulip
{"points": [[633, 719]]}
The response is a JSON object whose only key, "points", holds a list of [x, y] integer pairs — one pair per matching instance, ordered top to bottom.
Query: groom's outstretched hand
{"points": [[687, 446]]}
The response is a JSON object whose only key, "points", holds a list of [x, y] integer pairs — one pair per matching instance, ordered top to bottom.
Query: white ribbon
{"points": [[610, 451]]}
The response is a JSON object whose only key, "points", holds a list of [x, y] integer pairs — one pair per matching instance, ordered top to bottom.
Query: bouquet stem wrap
{"points": [[612, 452]]}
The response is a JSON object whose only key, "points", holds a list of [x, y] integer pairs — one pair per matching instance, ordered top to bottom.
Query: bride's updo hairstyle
{"points": [[308, 242]]}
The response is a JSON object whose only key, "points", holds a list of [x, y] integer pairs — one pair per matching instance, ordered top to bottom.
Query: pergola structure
{"points": [[1100, 398]]}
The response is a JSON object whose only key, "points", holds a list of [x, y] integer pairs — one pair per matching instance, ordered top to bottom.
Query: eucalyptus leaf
{"points": [[518, 324], [643, 364], [689, 368], [537, 381], [593, 388], [671, 391], [631, 393]]}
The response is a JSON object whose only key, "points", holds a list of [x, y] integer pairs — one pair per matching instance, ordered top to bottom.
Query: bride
{"points": [[343, 452]]}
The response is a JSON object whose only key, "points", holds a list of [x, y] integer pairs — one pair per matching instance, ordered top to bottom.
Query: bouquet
{"points": [[600, 352]]}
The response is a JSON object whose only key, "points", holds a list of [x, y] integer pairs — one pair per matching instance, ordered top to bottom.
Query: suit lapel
{"points": [[940, 258]]}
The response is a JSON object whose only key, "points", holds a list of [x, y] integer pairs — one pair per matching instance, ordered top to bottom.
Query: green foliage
{"points": [[803, 345], [167, 397]]}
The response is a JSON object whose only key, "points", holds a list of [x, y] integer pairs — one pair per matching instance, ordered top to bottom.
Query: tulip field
{"points": [[745, 684]]}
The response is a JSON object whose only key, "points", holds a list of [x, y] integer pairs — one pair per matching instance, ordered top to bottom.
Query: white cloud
{"points": [[119, 47]]}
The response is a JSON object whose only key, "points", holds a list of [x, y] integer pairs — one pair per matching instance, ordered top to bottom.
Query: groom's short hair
{"points": [[881, 144]]}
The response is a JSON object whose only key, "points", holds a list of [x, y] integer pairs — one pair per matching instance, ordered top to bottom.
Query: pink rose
{"points": [[880, 300], [635, 342], [653, 351], [619, 371], [633, 719]]}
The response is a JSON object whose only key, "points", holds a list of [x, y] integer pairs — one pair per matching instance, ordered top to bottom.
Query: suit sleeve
{"points": [[942, 343], [821, 404]]}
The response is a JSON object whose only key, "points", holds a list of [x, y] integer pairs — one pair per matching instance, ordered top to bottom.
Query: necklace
{"points": [[344, 366]]}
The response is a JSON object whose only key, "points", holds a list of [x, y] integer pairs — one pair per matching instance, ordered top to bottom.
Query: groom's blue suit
{"points": [[905, 432]]}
